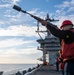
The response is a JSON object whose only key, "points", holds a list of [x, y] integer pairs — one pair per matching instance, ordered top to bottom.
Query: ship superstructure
{"points": [[49, 46]]}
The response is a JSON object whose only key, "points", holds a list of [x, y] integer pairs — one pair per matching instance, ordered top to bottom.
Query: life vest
{"points": [[67, 48], [60, 54], [57, 61], [62, 65]]}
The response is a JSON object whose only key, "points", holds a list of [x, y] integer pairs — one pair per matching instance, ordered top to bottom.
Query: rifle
{"points": [[19, 9]]}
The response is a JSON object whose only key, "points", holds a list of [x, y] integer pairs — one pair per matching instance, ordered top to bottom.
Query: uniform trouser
{"points": [[57, 66], [69, 68], [62, 72]]}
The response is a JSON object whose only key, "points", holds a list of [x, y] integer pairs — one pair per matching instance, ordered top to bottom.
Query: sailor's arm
{"points": [[53, 29]]}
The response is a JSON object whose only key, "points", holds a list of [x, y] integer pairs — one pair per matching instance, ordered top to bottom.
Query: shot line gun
{"points": [[19, 9]]}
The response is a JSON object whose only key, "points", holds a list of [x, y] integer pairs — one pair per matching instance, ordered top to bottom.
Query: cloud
{"points": [[15, 1], [8, 3], [5, 5], [63, 5], [66, 6], [65, 11], [13, 24], [21, 30], [18, 31], [14, 42], [14, 51], [9, 53], [13, 55]]}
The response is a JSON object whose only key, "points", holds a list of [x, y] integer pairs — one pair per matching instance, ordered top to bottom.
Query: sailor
{"points": [[66, 34], [61, 62], [57, 64]]}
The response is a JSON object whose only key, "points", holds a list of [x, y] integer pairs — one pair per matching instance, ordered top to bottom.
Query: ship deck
{"points": [[47, 70]]}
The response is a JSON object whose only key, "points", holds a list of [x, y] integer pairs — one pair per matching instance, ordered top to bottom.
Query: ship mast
{"points": [[42, 41]]}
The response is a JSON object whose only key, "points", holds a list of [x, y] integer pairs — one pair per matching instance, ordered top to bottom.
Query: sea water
{"points": [[9, 69]]}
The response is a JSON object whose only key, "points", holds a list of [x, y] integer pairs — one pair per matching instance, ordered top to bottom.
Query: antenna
{"points": [[47, 19]]}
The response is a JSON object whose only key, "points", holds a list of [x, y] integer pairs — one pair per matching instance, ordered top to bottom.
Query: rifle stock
{"points": [[19, 9]]}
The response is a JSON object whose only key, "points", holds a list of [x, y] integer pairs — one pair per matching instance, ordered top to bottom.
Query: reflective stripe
{"points": [[65, 68]]}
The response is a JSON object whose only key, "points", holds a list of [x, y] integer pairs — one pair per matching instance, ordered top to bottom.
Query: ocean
{"points": [[9, 69]]}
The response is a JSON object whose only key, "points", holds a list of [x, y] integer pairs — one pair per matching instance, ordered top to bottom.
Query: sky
{"points": [[18, 30]]}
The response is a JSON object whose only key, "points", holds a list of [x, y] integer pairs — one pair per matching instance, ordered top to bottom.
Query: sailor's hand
{"points": [[43, 22]]}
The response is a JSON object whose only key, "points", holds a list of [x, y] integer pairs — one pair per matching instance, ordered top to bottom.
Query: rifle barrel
{"points": [[16, 8], [19, 9]]}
